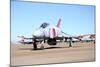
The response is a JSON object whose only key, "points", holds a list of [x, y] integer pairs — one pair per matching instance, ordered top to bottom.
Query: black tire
{"points": [[70, 44], [35, 46]]}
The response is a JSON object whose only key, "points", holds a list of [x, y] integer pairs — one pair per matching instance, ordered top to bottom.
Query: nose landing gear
{"points": [[34, 44]]}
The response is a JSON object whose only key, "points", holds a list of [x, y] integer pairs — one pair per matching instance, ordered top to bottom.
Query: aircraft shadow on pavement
{"points": [[41, 48]]}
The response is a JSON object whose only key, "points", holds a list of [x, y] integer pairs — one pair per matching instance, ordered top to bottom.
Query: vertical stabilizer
{"points": [[59, 23]]}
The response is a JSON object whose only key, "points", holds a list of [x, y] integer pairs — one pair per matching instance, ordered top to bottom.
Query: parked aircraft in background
{"points": [[87, 37]]}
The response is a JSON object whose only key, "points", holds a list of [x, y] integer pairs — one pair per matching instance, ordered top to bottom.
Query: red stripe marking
{"points": [[53, 32]]}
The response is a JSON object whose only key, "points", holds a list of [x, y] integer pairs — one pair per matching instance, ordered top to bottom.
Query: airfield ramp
{"points": [[61, 53]]}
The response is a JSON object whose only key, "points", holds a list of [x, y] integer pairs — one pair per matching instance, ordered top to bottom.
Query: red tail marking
{"points": [[58, 24]]}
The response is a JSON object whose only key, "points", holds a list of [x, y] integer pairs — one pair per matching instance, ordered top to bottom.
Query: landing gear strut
{"points": [[70, 42], [34, 44]]}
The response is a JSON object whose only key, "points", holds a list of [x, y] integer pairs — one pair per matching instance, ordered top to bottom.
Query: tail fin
{"points": [[59, 23]]}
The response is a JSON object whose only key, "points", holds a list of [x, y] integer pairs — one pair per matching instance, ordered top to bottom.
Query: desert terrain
{"points": [[61, 53]]}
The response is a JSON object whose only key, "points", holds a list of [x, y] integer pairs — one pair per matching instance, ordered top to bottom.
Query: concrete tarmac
{"points": [[61, 53]]}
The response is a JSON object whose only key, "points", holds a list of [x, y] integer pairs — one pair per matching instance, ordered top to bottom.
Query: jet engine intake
{"points": [[52, 41]]}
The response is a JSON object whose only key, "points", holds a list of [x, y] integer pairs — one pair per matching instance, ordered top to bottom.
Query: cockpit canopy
{"points": [[44, 25]]}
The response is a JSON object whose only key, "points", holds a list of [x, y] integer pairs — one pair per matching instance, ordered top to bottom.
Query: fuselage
{"points": [[49, 31]]}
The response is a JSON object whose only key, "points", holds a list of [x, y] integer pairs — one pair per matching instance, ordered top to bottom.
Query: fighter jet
{"points": [[49, 34], [87, 37]]}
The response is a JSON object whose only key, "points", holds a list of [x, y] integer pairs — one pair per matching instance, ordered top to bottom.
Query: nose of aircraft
{"points": [[38, 33]]}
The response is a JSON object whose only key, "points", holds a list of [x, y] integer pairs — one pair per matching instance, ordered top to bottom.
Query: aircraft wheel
{"points": [[70, 44], [35, 46]]}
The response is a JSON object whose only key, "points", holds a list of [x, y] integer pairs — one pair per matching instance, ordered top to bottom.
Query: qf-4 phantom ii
{"points": [[49, 34]]}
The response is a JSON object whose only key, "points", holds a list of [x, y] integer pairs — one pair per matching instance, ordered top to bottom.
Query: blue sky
{"points": [[28, 16]]}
